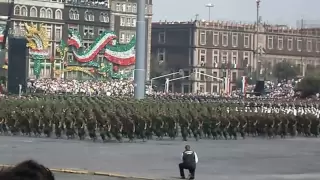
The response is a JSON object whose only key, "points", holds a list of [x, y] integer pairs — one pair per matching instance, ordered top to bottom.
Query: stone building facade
{"points": [[47, 13], [124, 16], [90, 18], [226, 49]]}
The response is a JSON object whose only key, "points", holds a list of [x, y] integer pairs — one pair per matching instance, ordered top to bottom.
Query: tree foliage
{"points": [[284, 71], [309, 86]]}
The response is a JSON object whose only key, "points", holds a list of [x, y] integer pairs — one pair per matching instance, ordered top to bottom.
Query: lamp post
{"points": [[209, 6], [257, 44], [140, 71]]}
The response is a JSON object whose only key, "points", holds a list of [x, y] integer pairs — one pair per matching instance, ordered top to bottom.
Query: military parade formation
{"points": [[124, 119]]}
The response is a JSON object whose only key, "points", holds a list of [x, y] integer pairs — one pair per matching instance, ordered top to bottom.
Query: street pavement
{"points": [[249, 159], [65, 176]]}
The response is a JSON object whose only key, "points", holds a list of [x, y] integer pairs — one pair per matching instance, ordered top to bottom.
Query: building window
{"points": [[118, 7], [123, 7], [129, 8], [134, 8], [17, 10], [24, 11], [33, 12], [42, 13], [49, 13], [58, 14], [74, 14], [89, 16], [104, 17], [122, 21], [128, 22], [134, 22], [73, 27], [101, 30], [49, 31], [88, 32], [58, 33], [122, 37], [128, 37], [162, 37], [203, 38], [216, 38], [225, 39], [234, 39], [246, 41], [270, 42], [280, 43], [290, 44], [299, 44], [309, 45], [318, 46], [56, 53], [161, 54], [202, 56], [224, 57], [234, 59], [245, 59], [215, 60], [186, 73], [215, 74], [224, 74], [234, 76], [202, 77], [186, 88], [214, 88]]}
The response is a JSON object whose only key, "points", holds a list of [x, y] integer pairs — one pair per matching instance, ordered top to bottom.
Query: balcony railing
{"points": [[86, 3]]}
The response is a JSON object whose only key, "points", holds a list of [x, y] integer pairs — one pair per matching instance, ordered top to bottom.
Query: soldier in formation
{"points": [[107, 118]]}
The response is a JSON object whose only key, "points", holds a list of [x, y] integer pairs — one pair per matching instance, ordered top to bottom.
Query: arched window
{"points": [[17, 10], [24, 11], [33, 12], [42, 13], [49, 13], [58, 14], [71, 14], [76, 14], [87, 15], [104, 17]]}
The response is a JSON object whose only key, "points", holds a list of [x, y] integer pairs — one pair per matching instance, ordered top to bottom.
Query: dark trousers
{"points": [[191, 168]]}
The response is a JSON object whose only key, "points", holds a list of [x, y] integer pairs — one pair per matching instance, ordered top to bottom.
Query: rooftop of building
{"points": [[232, 25]]}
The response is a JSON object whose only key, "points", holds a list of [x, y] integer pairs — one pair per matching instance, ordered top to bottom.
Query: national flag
{"points": [[234, 66], [244, 84], [227, 85]]}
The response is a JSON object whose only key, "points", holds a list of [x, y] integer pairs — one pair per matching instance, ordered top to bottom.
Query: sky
{"points": [[272, 11]]}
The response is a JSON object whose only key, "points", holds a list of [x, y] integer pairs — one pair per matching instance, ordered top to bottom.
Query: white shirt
{"points": [[190, 152]]}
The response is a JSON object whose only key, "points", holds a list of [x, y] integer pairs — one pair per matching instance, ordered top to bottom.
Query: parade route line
{"points": [[86, 172]]}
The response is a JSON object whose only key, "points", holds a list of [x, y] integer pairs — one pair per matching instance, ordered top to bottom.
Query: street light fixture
{"points": [[209, 6], [257, 37]]}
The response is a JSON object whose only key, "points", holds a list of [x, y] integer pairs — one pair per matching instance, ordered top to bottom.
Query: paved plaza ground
{"points": [[250, 159]]}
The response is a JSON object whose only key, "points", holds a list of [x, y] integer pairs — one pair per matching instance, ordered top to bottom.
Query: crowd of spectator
{"points": [[109, 88], [126, 88]]}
